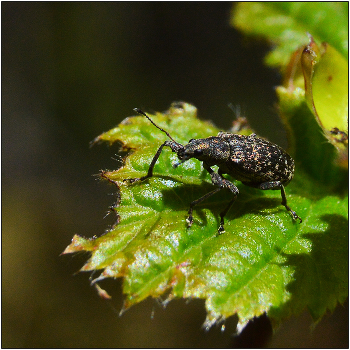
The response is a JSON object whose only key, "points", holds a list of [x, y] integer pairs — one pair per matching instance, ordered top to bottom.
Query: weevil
{"points": [[252, 160]]}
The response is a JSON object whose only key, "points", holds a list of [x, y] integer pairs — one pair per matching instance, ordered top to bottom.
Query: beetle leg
{"points": [[154, 161], [219, 181], [228, 184], [274, 185], [197, 201], [284, 202], [223, 213]]}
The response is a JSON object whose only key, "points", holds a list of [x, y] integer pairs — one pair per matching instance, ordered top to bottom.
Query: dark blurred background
{"points": [[71, 70]]}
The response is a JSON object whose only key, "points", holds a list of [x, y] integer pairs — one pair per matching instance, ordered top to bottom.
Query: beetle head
{"points": [[212, 150]]}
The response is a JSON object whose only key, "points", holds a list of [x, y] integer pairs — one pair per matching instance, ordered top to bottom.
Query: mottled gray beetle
{"points": [[250, 159]]}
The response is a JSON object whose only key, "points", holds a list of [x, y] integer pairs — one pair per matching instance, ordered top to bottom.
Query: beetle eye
{"points": [[198, 152]]}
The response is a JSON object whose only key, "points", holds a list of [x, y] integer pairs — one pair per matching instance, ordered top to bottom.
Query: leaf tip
{"points": [[78, 243], [102, 293]]}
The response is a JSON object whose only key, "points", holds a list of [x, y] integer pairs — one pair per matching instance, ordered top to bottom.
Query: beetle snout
{"points": [[191, 150], [182, 157]]}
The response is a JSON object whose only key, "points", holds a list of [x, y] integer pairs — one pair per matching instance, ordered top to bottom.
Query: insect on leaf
{"points": [[248, 270]]}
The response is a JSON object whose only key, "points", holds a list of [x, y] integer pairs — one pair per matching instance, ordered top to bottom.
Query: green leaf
{"points": [[286, 25], [331, 75], [326, 90], [314, 156], [264, 262]]}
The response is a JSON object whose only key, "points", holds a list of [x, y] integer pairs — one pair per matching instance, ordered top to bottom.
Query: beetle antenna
{"points": [[138, 110]]}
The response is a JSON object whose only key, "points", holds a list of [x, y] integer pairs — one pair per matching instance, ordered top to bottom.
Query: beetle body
{"points": [[249, 159], [252, 160]]}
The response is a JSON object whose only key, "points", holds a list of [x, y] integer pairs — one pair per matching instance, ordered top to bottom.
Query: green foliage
{"points": [[286, 24], [326, 89], [265, 261], [247, 270]]}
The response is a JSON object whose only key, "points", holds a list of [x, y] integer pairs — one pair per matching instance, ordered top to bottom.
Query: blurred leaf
{"points": [[286, 24], [330, 89], [326, 90], [313, 154], [250, 269]]}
